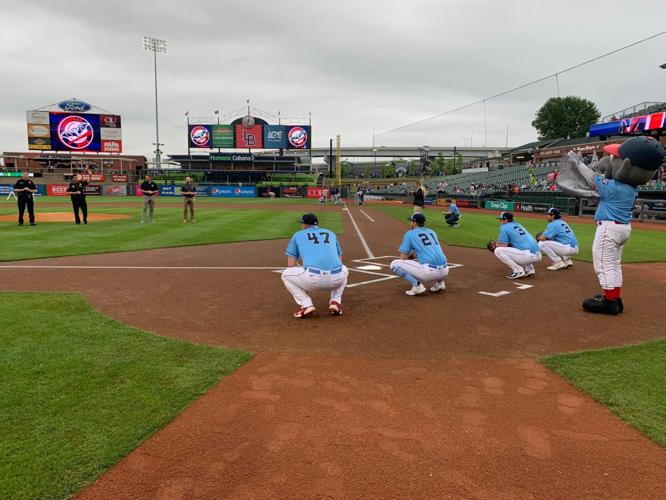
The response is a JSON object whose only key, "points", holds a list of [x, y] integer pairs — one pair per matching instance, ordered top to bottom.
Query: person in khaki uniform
{"points": [[189, 192]]}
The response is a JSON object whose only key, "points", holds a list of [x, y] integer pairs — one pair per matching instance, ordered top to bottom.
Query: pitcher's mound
{"points": [[63, 217]]}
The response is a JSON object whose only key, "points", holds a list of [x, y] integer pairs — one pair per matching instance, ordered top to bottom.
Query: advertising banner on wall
{"points": [[37, 117], [199, 136], [223, 136], [298, 136], [249, 137], [275, 137], [40, 143], [231, 157], [93, 177], [120, 177], [5, 189], [57, 189], [114, 189], [93, 190], [169, 190], [202, 190], [233, 192], [317, 192], [499, 205]]}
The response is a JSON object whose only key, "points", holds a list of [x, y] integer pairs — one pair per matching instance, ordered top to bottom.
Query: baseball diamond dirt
{"points": [[439, 396]]}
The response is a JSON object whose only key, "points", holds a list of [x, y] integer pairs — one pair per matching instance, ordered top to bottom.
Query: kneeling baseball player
{"points": [[558, 242], [515, 247], [430, 265], [322, 269]]}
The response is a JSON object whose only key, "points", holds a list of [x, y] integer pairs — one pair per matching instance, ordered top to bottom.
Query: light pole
{"points": [[155, 45], [506, 144]]}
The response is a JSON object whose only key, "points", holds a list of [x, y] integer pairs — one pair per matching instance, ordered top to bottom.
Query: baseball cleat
{"points": [[568, 263], [557, 265], [530, 271], [515, 275], [438, 287], [416, 290], [620, 304], [602, 305], [335, 308], [304, 312]]}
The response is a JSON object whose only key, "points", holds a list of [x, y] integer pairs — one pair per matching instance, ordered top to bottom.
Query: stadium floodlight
{"points": [[155, 45]]}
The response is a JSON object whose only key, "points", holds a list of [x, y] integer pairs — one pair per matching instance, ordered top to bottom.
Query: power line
{"points": [[520, 87]]}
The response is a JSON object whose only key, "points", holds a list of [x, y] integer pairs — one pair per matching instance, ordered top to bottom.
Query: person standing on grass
{"points": [[24, 189], [149, 190], [189, 192], [77, 193], [419, 198]]}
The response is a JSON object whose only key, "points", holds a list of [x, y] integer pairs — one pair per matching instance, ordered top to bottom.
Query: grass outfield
{"points": [[92, 200], [213, 226], [477, 228], [630, 381], [79, 391]]}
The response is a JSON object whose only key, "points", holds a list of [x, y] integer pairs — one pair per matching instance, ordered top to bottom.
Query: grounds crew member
{"points": [[24, 189], [76, 190], [149, 190], [189, 192], [430, 265], [322, 268]]}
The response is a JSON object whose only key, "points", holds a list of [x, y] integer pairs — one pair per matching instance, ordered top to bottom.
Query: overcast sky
{"points": [[355, 65]]}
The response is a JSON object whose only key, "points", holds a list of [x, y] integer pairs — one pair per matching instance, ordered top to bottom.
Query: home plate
{"points": [[369, 267]]}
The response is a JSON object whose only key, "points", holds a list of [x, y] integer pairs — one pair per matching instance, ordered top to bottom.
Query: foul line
{"points": [[363, 212], [358, 231]]}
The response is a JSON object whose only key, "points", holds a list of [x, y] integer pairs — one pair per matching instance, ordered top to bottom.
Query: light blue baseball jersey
{"points": [[616, 200], [454, 209], [559, 231], [518, 237], [425, 245], [316, 247]]}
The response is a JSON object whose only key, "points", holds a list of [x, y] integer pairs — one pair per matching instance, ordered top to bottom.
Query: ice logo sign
{"points": [[75, 132], [200, 136], [298, 137]]}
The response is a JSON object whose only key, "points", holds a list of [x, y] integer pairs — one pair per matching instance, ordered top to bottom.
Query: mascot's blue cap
{"points": [[643, 152]]}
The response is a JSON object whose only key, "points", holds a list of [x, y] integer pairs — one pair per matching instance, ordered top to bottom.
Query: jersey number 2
{"points": [[424, 239]]}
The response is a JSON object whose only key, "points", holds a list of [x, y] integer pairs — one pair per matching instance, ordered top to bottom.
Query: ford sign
{"points": [[74, 106]]}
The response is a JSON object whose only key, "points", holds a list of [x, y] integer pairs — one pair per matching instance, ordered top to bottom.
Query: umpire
{"points": [[24, 188], [77, 192]]}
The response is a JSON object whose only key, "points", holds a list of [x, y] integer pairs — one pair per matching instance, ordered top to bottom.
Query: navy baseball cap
{"points": [[643, 152], [553, 211], [505, 216], [418, 218], [309, 219]]}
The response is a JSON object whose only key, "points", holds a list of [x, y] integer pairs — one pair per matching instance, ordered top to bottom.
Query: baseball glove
{"points": [[538, 235], [491, 245]]}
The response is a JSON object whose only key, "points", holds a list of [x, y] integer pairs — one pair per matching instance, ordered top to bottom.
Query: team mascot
{"points": [[613, 180]]}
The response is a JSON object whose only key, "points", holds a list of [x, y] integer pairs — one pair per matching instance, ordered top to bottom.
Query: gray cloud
{"points": [[353, 65]]}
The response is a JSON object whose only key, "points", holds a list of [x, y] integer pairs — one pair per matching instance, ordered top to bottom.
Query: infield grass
{"points": [[214, 225], [477, 228], [630, 381], [79, 391]]}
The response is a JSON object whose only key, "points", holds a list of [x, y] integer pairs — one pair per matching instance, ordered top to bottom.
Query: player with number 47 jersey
{"points": [[319, 251], [430, 264]]}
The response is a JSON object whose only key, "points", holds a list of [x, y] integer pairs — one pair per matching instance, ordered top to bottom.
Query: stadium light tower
{"points": [[155, 45]]}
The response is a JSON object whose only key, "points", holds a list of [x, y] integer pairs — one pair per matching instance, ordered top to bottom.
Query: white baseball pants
{"points": [[609, 241], [555, 251], [516, 259], [423, 273], [300, 280]]}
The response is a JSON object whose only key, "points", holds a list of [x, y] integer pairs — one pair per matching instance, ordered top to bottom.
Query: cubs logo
{"points": [[75, 132], [200, 136], [298, 137]]}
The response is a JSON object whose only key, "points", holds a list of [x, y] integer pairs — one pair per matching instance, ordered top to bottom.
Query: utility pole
{"points": [[155, 45]]}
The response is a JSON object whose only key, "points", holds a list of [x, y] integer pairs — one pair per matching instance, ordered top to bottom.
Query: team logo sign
{"points": [[75, 132], [200, 136], [298, 137]]}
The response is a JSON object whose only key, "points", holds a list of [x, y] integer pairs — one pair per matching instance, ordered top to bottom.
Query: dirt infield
{"points": [[65, 217], [430, 397]]}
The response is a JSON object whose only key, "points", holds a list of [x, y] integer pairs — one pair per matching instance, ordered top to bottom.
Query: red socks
{"points": [[612, 293]]}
